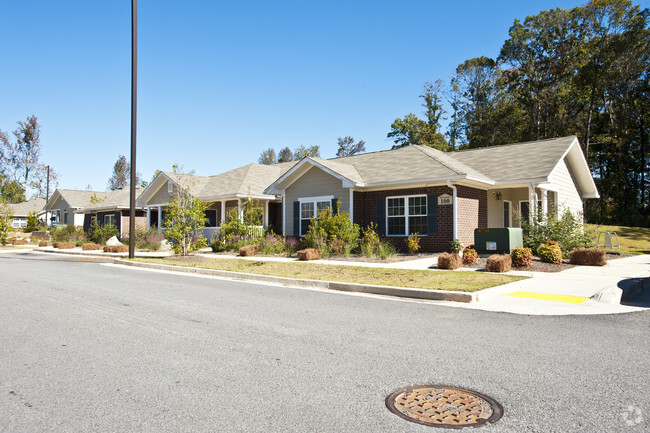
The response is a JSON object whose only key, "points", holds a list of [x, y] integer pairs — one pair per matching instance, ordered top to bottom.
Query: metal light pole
{"points": [[134, 99]]}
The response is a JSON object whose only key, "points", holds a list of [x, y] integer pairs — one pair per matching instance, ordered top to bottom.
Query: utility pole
{"points": [[134, 99], [47, 195]]}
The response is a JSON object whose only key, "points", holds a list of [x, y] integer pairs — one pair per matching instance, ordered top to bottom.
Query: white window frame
{"points": [[315, 201], [406, 213], [112, 217]]}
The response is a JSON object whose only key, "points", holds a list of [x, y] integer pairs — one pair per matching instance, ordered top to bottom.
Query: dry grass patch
{"points": [[421, 279]]}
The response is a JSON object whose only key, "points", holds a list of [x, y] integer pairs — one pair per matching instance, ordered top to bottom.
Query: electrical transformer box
{"points": [[497, 240]]}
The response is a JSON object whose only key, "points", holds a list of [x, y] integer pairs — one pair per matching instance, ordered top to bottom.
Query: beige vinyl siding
{"points": [[314, 183], [568, 194], [161, 196], [495, 207]]}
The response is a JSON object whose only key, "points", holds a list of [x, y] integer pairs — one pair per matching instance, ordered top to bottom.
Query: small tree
{"points": [[347, 146], [306, 151], [285, 155], [267, 157], [121, 174], [185, 215], [5, 222], [32, 222]]}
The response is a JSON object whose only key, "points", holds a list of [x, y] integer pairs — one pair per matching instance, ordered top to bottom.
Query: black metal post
{"points": [[134, 99]]}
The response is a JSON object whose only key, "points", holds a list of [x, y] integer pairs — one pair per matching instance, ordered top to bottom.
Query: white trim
{"points": [[320, 198], [315, 200], [406, 213]]}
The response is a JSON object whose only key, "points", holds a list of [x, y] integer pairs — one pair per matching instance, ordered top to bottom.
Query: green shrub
{"points": [[5, 222], [33, 224], [567, 230], [67, 233], [100, 233], [235, 233], [332, 233], [147, 239], [370, 241], [413, 243], [271, 244], [291, 245], [456, 245], [386, 249], [550, 253], [470, 256], [521, 257]]}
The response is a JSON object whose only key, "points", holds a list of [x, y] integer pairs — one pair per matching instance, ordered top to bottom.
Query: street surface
{"points": [[93, 347]]}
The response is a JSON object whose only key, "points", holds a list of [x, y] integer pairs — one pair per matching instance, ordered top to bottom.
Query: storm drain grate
{"points": [[444, 406]]}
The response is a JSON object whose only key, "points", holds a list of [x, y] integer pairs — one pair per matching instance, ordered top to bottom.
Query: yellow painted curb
{"points": [[549, 297]]}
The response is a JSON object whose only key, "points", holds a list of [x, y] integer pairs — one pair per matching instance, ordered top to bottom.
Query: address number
{"points": [[444, 200]]}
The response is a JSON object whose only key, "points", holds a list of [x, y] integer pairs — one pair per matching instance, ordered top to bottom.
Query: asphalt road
{"points": [[87, 347]]}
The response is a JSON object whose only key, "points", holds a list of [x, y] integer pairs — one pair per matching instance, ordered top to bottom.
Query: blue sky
{"points": [[219, 82]]}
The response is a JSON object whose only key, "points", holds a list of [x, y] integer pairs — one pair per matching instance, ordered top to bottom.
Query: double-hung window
{"points": [[310, 208], [406, 215], [109, 220]]}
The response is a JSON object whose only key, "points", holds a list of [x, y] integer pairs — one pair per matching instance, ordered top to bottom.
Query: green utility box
{"points": [[497, 240]]}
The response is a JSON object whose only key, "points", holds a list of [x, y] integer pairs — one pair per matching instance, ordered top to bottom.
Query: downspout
{"points": [[454, 218], [122, 226]]}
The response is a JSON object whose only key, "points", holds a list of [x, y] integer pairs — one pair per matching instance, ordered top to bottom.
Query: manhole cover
{"points": [[444, 406]]}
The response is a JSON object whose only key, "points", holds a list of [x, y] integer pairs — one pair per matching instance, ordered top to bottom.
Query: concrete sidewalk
{"points": [[578, 290]]}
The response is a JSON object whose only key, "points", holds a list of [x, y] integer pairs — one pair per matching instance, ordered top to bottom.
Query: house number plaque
{"points": [[445, 199]]}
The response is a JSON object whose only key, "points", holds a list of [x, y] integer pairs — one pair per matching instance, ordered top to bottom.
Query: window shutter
{"points": [[335, 209], [432, 214], [381, 216], [296, 218]]}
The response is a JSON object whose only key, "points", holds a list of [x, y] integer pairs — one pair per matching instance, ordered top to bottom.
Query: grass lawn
{"points": [[634, 240], [421, 279]]}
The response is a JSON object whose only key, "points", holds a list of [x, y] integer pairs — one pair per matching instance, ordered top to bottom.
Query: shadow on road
{"points": [[636, 292]]}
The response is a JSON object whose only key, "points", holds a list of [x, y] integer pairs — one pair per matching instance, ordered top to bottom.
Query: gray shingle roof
{"points": [[533, 159], [415, 164], [251, 179], [79, 198], [117, 199], [23, 209]]}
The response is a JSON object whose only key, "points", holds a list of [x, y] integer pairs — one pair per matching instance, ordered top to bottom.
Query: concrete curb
{"points": [[92, 253], [404, 292]]}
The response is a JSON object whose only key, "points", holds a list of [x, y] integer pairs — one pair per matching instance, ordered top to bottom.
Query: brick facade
{"points": [[472, 213]]}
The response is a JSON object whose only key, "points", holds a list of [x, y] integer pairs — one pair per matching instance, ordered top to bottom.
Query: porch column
{"points": [[545, 202], [532, 203], [240, 210], [223, 211], [266, 213], [159, 217], [148, 218]]}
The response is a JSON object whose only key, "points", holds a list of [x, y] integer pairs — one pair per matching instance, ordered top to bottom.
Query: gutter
{"points": [[454, 218]]}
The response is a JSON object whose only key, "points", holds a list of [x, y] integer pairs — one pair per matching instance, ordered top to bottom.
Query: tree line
{"points": [[583, 71], [20, 165]]}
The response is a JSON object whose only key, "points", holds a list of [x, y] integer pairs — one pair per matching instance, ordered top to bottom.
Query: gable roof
{"points": [[513, 162], [518, 163], [248, 181], [76, 199], [114, 200], [25, 208]]}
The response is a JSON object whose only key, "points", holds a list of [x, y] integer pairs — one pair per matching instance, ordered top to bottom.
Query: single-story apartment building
{"points": [[224, 192], [442, 196], [65, 205], [114, 208], [20, 211]]}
